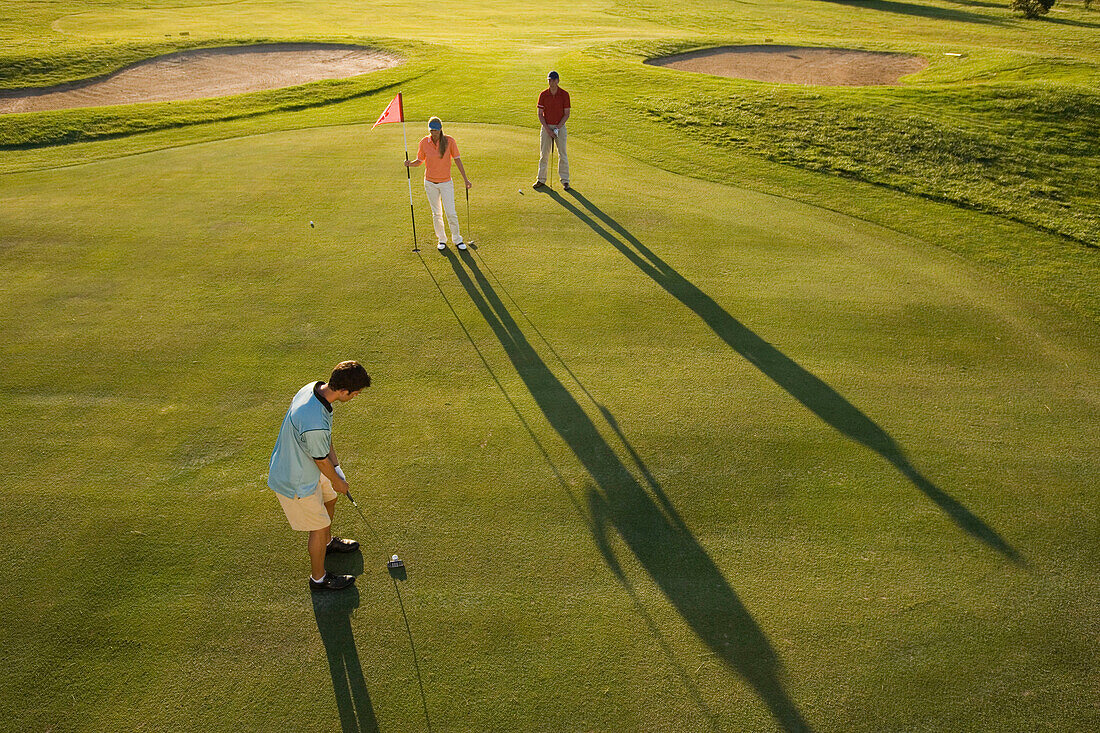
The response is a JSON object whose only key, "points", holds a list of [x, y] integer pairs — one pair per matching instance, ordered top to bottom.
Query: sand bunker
{"points": [[797, 65], [202, 73]]}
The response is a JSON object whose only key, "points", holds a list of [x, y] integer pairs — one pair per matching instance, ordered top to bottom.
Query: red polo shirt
{"points": [[553, 106]]}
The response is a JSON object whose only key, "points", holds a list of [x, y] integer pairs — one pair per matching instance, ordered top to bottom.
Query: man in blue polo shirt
{"points": [[305, 473]]}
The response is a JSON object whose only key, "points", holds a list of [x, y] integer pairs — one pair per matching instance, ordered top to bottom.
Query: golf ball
{"points": [[311, 225], [394, 557]]}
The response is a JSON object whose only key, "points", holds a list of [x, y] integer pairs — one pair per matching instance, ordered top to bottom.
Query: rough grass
{"points": [[36, 67], [1007, 128], [41, 129], [1022, 152]]}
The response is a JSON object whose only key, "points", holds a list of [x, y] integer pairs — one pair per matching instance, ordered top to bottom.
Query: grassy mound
{"points": [[41, 129]]}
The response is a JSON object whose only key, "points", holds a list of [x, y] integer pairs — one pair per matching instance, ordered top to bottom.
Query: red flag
{"points": [[395, 112]]}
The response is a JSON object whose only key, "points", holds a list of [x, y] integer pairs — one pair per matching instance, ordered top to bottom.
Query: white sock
{"points": [[318, 580]]}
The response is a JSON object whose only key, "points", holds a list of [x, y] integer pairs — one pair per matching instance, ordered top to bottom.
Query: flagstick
{"points": [[408, 174]]}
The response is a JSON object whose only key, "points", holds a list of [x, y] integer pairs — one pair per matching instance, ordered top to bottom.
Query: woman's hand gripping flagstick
{"points": [[395, 112]]}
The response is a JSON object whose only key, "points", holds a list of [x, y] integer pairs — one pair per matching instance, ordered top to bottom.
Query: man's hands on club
{"points": [[341, 486]]}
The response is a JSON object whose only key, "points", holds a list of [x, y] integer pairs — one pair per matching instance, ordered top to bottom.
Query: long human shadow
{"points": [[1000, 8], [921, 11], [1068, 21], [812, 392], [667, 550], [333, 610], [654, 630]]}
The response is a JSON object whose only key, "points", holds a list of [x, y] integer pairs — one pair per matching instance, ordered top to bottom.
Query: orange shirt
{"points": [[437, 169]]}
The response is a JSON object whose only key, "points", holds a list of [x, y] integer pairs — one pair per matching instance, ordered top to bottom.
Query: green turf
{"points": [[1007, 129], [724, 441], [731, 462]]}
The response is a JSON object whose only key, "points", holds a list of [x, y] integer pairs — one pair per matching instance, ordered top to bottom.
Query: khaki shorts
{"points": [[308, 513]]}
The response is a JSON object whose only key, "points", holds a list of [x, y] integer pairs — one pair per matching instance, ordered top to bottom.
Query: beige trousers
{"points": [[544, 154]]}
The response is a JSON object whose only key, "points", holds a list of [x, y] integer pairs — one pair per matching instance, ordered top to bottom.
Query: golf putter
{"points": [[550, 173], [469, 231]]}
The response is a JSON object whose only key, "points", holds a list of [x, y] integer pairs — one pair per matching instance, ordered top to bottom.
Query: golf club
{"points": [[550, 173], [469, 239], [394, 561]]}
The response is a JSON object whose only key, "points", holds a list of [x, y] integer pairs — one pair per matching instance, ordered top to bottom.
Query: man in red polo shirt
{"points": [[553, 112]]}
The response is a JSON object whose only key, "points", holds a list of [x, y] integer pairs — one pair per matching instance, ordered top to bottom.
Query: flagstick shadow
{"points": [[812, 392], [667, 550], [333, 611]]}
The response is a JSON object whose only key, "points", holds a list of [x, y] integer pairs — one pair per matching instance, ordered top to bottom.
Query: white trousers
{"points": [[544, 154], [441, 196]]}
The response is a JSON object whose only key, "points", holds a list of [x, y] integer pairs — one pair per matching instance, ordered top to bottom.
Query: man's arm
{"points": [[564, 117], [542, 119], [328, 468]]}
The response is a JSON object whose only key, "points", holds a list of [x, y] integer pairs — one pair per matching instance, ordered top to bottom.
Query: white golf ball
{"points": [[394, 557]]}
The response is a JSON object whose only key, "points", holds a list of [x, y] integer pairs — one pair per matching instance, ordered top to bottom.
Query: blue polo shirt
{"points": [[306, 435]]}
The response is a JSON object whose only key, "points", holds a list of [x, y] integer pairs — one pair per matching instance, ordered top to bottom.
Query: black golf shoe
{"points": [[538, 185], [339, 544], [331, 581]]}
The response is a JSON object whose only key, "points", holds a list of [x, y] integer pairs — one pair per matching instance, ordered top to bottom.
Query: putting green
{"points": [[659, 454]]}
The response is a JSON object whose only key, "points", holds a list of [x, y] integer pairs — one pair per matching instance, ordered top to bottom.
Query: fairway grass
{"points": [[996, 140], [663, 454]]}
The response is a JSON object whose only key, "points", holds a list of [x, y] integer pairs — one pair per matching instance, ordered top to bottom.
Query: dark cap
{"points": [[552, 75]]}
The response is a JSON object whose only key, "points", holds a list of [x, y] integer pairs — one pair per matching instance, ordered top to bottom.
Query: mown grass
{"points": [[1008, 128], [662, 454], [674, 455]]}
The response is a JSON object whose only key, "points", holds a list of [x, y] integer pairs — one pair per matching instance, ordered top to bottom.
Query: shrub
{"points": [[1032, 8]]}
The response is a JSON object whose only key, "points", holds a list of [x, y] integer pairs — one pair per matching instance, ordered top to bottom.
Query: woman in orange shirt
{"points": [[436, 152]]}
